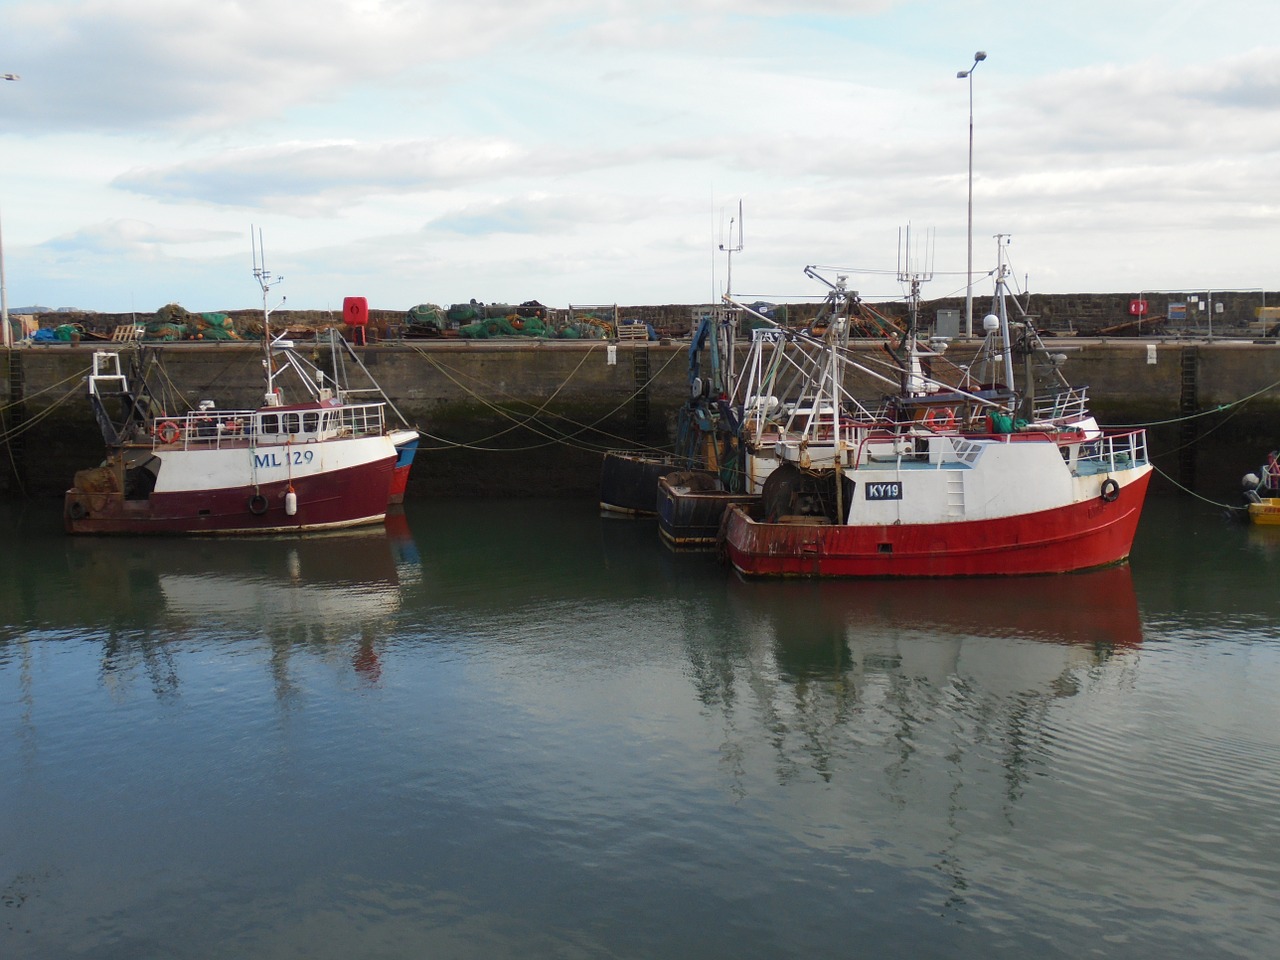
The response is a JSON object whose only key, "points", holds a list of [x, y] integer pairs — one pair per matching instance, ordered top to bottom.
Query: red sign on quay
{"points": [[1138, 307]]}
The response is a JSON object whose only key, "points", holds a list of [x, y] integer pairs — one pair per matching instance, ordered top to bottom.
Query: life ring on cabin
{"points": [[940, 419], [168, 432], [1110, 489], [257, 504], [77, 510]]}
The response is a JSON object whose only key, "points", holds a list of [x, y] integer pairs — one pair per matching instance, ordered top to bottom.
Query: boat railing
{"points": [[1067, 404], [363, 419], [203, 428], [223, 428], [1113, 451]]}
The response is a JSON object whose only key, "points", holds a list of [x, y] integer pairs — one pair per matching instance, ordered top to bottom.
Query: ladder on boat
{"points": [[955, 494]]}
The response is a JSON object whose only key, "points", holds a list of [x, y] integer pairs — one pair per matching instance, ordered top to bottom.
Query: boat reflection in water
{"points": [[1264, 538], [323, 592], [1096, 608], [907, 648], [940, 697]]}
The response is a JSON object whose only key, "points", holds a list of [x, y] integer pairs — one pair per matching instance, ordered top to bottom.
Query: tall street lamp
{"points": [[968, 290], [6, 335]]}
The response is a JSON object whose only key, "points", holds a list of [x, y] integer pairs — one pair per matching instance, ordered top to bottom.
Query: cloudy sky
{"points": [[594, 151]]}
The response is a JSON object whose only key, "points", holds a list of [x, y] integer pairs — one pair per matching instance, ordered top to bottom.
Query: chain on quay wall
{"points": [[532, 418]]}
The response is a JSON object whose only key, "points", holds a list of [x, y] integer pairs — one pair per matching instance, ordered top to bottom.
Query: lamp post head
{"points": [[977, 59], [9, 76]]}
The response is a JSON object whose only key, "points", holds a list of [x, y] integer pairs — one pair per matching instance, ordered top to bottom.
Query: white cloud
{"points": [[547, 147], [132, 238]]}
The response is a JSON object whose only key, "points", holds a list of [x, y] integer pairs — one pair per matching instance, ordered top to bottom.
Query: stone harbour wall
{"points": [[1229, 313], [531, 418]]}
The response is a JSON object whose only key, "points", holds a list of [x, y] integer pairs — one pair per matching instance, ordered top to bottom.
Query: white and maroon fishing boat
{"points": [[405, 440], [324, 463], [969, 478]]}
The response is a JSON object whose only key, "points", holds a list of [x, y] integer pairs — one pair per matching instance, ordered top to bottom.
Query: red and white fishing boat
{"points": [[323, 463], [975, 477]]}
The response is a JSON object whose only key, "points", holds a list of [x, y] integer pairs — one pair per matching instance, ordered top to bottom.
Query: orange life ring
{"points": [[940, 419], [168, 432]]}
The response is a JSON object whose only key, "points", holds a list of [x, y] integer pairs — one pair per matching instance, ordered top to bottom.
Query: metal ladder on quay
{"points": [[640, 402], [1188, 407], [13, 413]]}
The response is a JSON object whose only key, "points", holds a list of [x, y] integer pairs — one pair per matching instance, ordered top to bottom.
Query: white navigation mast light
{"points": [[968, 290]]}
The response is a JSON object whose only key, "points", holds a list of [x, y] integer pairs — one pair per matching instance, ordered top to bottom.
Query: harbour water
{"points": [[517, 729]]}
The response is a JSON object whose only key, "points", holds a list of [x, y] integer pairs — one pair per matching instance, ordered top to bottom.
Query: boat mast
{"points": [[1002, 270], [265, 281], [729, 360], [913, 379]]}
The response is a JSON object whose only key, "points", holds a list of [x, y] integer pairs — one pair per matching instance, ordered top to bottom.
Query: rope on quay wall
{"points": [[78, 375], [1233, 407], [1203, 413], [516, 423], [8, 434], [553, 435], [13, 463], [1232, 510]]}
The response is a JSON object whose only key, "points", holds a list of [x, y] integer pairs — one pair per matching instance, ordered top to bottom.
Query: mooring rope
{"points": [[78, 375], [10, 432], [554, 435], [1188, 490]]}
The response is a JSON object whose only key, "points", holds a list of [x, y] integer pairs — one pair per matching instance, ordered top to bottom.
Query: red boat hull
{"points": [[405, 452], [399, 483], [330, 500], [1079, 536]]}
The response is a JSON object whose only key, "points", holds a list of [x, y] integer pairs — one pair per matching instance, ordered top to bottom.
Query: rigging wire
{"points": [[530, 422]]}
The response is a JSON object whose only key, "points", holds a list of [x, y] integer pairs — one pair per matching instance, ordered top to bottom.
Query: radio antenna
{"points": [[731, 248]]}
